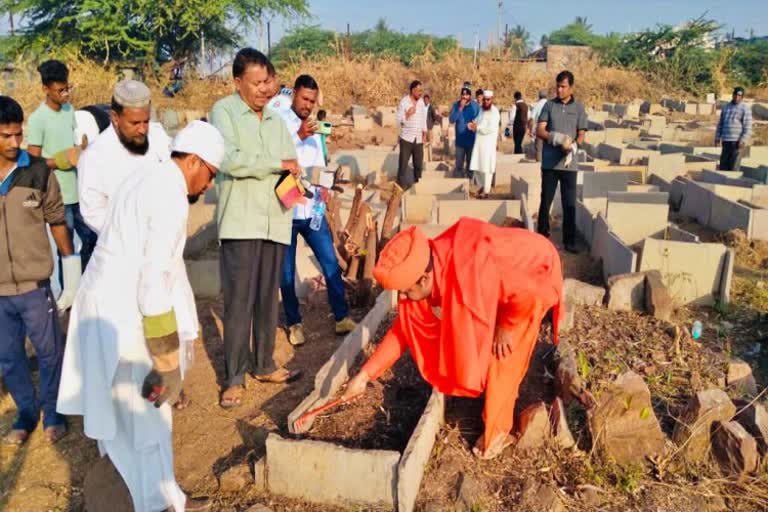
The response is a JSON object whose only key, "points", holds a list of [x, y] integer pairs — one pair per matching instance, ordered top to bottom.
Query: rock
{"points": [[578, 292], [626, 292], [658, 301], [566, 323], [740, 377], [568, 381], [754, 418], [695, 423], [623, 425], [534, 427], [560, 431], [733, 448], [260, 475], [235, 478], [104, 489], [468, 493], [591, 496], [540, 497], [259, 508]]}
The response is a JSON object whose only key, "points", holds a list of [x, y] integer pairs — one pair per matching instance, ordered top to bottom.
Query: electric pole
{"points": [[498, 28]]}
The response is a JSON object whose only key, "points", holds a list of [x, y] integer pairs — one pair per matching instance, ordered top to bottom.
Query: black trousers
{"points": [[518, 134], [407, 150], [730, 158], [549, 180], [250, 280]]}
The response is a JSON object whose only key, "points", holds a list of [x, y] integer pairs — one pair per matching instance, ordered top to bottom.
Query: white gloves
{"points": [[558, 139], [572, 155], [71, 271]]}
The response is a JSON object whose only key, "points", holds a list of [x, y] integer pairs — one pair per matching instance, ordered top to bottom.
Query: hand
{"points": [[463, 103], [410, 111], [472, 126], [307, 129], [424, 138], [717, 142], [567, 144], [741, 144], [68, 158], [291, 166], [324, 194], [71, 270], [502, 344], [356, 386], [160, 387]]}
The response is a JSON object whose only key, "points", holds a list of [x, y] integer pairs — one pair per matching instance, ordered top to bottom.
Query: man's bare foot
{"points": [[183, 402], [16, 437], [497, 446]]}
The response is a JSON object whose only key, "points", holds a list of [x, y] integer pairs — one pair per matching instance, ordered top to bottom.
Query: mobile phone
{"points": [[323, 128]]}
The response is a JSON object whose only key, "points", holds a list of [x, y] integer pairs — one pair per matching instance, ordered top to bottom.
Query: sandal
{"points": [[281, 376], [232, 397], [183, 402], [55, 433], [16, 437], [497, 446]]}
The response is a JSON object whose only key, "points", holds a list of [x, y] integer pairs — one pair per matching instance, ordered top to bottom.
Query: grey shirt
{"points": [[566, 118]]}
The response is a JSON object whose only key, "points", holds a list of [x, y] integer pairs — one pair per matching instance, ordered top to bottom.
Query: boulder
{"points": [[578, 292], [626, 292], [658, 301], [740, 377], [568, 382], [754, 418], [695, 423], [623, 425], [533, 427], [560, 431], [733, 448], [235, 478], [104, 489], [469, 492], [540, 497]]}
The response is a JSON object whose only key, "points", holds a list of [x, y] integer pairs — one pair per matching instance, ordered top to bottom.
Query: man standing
{"points": [[462, 114], [412, 117], [433, 120], [533, 120], [520, 122], [486, 126], [561, 126], [733, 130], [52, 136], [130, 144], [30, 198], [254, 227], [315, 231], [494, 286], [134, 319]]}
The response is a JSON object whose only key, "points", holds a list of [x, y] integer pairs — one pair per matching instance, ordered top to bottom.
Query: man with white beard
{"points": [[483, 163], [134, 320]]}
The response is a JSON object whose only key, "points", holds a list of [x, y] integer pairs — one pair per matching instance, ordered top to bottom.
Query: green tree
{"points": [[137, 30], [576, 33], [302, 41], [518, 41], [749, 64]]}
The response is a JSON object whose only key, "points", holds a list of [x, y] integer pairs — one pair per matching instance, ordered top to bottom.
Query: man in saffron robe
{"points": [[493, 287]]}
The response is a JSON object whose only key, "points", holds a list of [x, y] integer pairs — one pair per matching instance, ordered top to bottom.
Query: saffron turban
{"points": [[403, 260]]}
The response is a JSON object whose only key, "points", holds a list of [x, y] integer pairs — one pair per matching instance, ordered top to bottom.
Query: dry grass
{"points": [[362, 80]]}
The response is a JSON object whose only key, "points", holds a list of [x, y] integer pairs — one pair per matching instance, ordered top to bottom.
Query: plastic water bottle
{"points": [[318, 212], [696, 330]]}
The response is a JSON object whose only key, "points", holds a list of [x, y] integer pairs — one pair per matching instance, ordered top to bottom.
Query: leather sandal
{"points": [[281, 376], [232, 397], [16, 437]]}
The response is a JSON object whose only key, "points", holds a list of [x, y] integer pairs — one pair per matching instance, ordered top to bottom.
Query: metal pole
{"points": [[498, 28], [269, 40]]}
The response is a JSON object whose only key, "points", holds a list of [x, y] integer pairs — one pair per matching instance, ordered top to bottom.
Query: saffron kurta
{"points": [[485, 278]]}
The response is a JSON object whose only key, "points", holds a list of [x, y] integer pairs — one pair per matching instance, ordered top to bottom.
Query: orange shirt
{"points": [[485, 276]]}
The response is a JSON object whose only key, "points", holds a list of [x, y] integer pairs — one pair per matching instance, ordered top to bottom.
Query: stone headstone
{"points": [[578, 292], [626, 292], [658, 302], [740, 378], [754, 418], [695, 423], [623, 425], [534, 427], [560, 431], [734, 450]]}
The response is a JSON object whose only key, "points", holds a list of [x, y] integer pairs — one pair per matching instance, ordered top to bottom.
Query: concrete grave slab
{"points": [[666, 166], [598, 184], [442, 186], [642, 188], [658, 198], [696, 201], [418, 209], [495, 212], [726, 215], [633, 217], [759, 224], [678, 234], [615, 256], [693, 273], [204, 277]]}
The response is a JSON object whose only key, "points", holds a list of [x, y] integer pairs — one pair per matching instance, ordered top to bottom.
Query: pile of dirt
{"points": [[751, 254], [385, 416]]}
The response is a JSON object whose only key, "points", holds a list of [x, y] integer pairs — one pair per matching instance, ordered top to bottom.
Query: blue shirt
{"points": [[465, 138], [22, 160]]}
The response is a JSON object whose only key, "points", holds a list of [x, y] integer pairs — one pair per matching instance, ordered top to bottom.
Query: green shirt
{"points": [[55, 131], [248, 207]]}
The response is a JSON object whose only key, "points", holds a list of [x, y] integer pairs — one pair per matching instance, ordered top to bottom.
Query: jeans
{"points": [[408, 150], [463, 157], [730, 158], [549, 181], [76, 224], [321, 243], [33, 314]]}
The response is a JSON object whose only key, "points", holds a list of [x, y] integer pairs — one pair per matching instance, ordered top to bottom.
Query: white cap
{"points": [[488, 93], [132, 94], [201, 139]]}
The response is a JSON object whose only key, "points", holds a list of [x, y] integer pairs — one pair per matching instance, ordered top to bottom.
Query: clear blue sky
{"points": [[463, 18]]}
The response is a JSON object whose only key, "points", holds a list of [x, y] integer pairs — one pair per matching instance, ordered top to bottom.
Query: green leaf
{"points": [[584, 367], [645, 413]]}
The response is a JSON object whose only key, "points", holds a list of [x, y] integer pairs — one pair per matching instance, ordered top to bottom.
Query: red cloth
{"points": [[485, 276]]}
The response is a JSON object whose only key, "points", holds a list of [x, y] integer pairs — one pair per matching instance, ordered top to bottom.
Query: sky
{"points": [[463, 19]]}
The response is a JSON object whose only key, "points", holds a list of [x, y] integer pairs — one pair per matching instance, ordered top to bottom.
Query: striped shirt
{"points": [[735, 123], [412, 128]]}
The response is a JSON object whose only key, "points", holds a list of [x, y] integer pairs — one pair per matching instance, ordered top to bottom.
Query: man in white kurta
{"points": [[130, 144], [483, 162], [132, 314]]}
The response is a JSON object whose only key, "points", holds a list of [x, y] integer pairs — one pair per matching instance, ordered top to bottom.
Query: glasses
{"points": [[63, 90], [211, 170]]}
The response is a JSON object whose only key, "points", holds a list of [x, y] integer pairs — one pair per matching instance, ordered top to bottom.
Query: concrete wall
{"points": [[666, 166], [598, 184], [442, 186], [495, 212], [635, 216], [615, 256]]}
